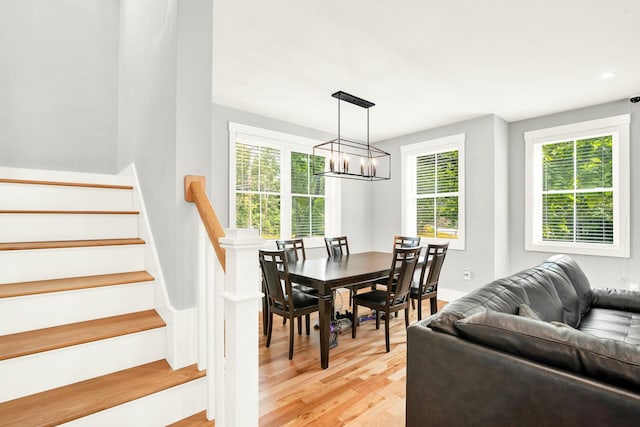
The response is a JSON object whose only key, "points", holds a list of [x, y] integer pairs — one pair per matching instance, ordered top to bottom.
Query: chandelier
{"points": [[347, 158]]}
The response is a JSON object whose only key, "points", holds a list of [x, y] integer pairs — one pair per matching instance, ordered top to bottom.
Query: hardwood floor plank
{"points": [[15, 246], [9, 290], [24, 343], [363, 386], [77, 400]]}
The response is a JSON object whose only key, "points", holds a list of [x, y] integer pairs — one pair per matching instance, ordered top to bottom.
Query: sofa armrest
{"points": [[617, 299], [451, 381]]}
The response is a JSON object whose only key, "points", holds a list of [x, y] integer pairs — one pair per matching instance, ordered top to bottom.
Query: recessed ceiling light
{"points": [[607, 75]]}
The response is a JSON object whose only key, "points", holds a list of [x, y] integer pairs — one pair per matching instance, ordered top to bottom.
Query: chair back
{"points": [[406, 242], [336, 246], [293, 249], [435, 254], [404, 265], [274, 273]]}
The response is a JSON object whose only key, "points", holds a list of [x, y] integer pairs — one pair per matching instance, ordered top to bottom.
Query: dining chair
{"points": [[400, 242], [406, 242], [337, 246], [293, 248], [294, 252], [427, 286], [282, 298], [394, 298]]}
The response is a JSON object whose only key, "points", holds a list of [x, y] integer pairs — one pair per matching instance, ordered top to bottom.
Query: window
{"points": [[577, 179], [273, 188], [433, 188], [307, 196]]}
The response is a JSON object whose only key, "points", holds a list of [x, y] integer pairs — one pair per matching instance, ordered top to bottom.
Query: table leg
{"points": [[325, 304]]}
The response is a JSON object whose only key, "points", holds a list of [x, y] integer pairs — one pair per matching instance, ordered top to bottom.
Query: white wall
{"points": [[58, 84], [164, 121], [480, 158], [501, 198], [602, 271]]}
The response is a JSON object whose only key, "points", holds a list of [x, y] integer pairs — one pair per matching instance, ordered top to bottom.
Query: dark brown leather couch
{"points": [[539, 348]]}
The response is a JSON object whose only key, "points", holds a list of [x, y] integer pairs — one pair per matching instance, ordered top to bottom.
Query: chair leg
{"points": [[413, 303], [434, 305], [420, 308], [265, 315], [406, 317], [307, 319], [378, 319], [284, 320], [354, 324], [299, 325], [269, 329], [386, 330], [291, 336]]}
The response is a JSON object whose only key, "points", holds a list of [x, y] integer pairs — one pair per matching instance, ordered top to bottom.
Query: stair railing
{"points": [[228, 300]]}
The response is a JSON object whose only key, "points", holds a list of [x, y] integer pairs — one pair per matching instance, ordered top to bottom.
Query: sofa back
{"points": [[557, 290]]}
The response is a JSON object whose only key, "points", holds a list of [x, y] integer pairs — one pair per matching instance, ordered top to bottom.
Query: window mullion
{"points": [[575, 188], [285, 194]]}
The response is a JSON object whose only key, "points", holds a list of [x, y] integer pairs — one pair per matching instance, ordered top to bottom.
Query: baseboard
{"points": [[450, 295]]}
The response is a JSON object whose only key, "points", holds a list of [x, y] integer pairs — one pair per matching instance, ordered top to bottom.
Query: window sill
{"points": [[579, 249]]}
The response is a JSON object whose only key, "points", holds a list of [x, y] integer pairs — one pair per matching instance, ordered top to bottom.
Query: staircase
{"points": [[81, 342]]}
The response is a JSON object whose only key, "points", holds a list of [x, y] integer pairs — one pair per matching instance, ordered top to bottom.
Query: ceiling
{"points": [[424, 63]]}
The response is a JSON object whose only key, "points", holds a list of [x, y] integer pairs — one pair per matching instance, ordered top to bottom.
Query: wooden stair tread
{"points": [[66, 184], [65, 212], [14, 246], [9, 290], [40, 340], [64, 404], [196, 420]]}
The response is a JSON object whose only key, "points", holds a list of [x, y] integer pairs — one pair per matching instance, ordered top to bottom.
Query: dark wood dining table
{"points": [[328, 274]]}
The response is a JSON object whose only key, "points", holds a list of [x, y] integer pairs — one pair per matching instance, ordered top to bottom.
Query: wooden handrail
{"points": [[194, 191]]}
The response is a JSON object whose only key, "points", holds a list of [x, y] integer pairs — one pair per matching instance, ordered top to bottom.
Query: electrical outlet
{"points": [[466, 274], [634, 286]]}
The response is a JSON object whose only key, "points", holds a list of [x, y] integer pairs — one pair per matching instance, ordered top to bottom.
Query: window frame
{"points": [[618, 127], [286, 143], [409, 154]]}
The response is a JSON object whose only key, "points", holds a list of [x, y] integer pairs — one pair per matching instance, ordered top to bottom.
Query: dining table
{"points": [[327, 274]]}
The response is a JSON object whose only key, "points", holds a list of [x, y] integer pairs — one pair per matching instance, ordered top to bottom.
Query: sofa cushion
{"points": [[577, 278], [566, 291], [540, 292], [493, 296], [619, 299], [525, 310], [615, 324], [610, 360]]}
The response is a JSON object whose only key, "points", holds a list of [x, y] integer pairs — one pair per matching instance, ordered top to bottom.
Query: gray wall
{"points": [[58, 84], [164, 121], [480, 156], [356, 201], [602, 271]]}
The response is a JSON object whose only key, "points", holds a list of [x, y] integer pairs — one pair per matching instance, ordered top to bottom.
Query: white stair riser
{"points": [[64, 176], [55, 197], [48, 227], [43, 264], [59, 308], [22, 376], [159, 409]]}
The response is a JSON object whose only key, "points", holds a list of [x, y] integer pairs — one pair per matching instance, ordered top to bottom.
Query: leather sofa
{"points": [[539, 348]]}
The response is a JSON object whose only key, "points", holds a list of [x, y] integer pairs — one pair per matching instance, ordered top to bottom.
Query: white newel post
{"points": [[242, 300]]}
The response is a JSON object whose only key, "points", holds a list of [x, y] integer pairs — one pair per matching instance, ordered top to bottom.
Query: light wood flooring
{"points": [[363, 386]]}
